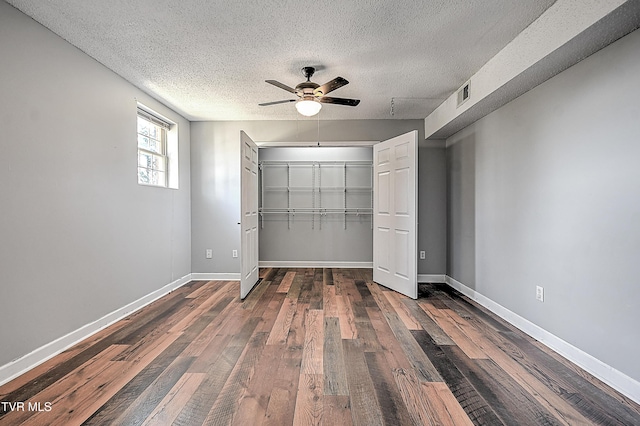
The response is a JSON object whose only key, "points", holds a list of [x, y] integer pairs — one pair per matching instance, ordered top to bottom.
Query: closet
{"points": [[315, 204]]}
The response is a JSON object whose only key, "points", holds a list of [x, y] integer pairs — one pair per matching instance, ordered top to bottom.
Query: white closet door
{"points": [[395, 196], [249, 217]]}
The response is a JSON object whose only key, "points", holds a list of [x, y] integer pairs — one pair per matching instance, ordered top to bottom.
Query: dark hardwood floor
{"points": [[311, 346]]}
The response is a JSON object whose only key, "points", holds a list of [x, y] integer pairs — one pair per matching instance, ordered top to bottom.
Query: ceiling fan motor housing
{"points": [[306, 90]]}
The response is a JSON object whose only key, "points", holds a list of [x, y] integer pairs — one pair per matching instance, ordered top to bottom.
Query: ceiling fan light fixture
{"points": [[308, 107]]}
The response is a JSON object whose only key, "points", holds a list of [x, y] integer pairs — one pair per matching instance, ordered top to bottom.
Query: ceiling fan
{"points": [[311, 95]]}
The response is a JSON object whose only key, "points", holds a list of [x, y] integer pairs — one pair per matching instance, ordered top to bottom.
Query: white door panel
{"points": [[402, 152], [383, 156], [400, 193], [383, 196], [249, 215], [395, 216], [401, 250], [383, 252]]}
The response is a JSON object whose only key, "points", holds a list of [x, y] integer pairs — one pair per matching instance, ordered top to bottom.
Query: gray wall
{"points": [[215, 169], [546, 191], [432, 207], [461, 209], [79, 238]]}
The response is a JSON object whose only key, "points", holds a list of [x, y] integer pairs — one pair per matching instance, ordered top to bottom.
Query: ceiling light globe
{"points": [[308, 108]]}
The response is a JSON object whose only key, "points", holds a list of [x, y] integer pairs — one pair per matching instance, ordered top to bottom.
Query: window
{"points": [[155, 159]]}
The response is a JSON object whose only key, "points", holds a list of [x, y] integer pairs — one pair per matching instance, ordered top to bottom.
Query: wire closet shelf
{"points": [[347, 190]]}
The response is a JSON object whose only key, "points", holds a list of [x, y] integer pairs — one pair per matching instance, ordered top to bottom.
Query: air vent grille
{"points": [[463, 94]]}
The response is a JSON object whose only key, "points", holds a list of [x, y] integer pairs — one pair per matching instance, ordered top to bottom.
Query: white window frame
{"points": [[168, 151]]}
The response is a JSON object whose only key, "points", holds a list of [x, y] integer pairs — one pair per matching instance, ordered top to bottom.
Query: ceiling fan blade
{"points": [[334, 84], [280, 85], [339, 101], [277, 102]]}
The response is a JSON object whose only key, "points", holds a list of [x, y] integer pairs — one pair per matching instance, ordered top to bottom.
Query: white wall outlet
{"points": [[208, 253], [234, 253], [423, 255], [539, 293]]}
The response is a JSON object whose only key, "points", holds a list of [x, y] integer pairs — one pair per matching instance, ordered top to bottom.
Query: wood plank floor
{"points": [[311, 347]]}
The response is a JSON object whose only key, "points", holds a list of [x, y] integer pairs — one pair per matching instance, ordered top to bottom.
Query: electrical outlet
{"points": [[209, 253], [234, 253], [423, 255], [539, 293]]}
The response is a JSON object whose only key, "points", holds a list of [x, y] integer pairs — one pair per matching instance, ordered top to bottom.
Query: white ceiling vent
{"points": [[463, 94]]}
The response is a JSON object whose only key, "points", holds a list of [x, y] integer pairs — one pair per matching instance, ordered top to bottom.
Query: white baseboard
{"points": [[313, 264], [215, 276], [431, 278], [31, 360], [609, 375]]}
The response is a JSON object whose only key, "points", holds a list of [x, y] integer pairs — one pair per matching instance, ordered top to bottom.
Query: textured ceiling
{"points": [[209, 59]]}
